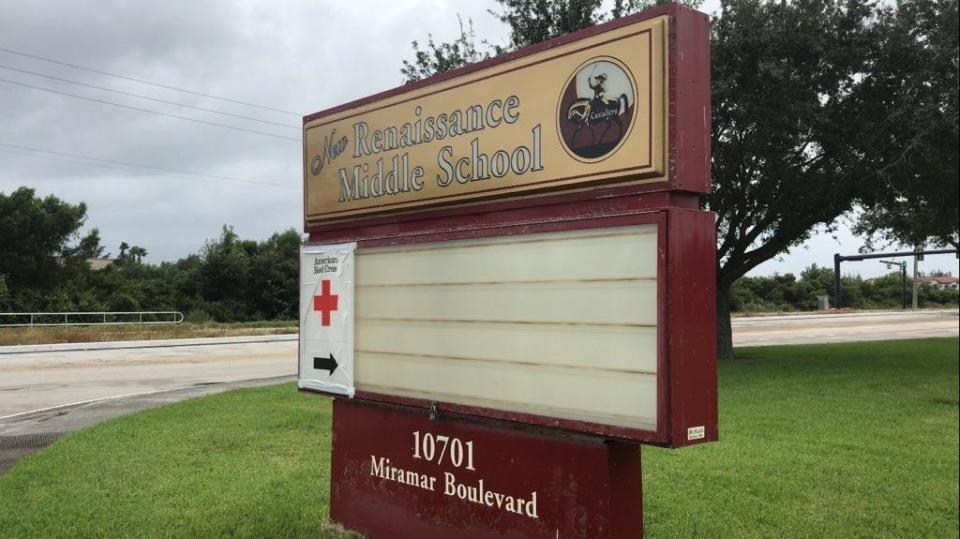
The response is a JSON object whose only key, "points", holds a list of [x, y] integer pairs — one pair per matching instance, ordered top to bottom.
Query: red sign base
{"points": [[398, 473]]}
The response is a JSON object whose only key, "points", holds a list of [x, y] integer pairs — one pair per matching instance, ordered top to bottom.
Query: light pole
{"points": [[917, 257], [903, 279]]}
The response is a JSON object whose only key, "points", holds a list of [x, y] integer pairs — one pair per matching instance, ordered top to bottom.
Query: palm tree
{"points": [[137, 253]]}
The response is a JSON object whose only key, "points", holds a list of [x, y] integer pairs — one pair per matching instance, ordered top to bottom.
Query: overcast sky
{"points": [[300, 57]]}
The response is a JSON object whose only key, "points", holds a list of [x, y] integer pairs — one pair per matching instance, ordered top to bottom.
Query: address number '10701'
{"points": [[437, 447]]}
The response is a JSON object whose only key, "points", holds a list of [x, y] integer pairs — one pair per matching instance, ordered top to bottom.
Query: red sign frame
{"points": [[686, 363], [686, 373]]}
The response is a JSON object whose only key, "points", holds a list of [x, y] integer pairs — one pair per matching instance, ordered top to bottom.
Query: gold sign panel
{"points": [[589, 111]]}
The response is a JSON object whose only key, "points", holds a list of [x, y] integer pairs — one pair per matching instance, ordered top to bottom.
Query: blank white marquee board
{"points": [[560, 324]]}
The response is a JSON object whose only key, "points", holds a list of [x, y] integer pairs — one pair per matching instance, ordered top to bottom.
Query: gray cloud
{"points": [[297, 56], [302, 56]]}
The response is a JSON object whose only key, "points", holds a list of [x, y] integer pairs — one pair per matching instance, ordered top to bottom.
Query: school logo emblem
{"points": [[596, 109]]}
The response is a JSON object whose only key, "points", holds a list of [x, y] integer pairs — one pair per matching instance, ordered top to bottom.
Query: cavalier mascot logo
{"points": [[596, 109]]}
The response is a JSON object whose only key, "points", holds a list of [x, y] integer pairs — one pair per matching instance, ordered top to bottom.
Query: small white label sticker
{"points": [[696, 433]]}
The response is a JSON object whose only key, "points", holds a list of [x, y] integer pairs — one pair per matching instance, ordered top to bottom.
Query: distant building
{"points": [[97, 264], [942, 282]]}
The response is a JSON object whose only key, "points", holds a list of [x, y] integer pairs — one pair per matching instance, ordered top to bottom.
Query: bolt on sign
{"points": [[512, 255]]}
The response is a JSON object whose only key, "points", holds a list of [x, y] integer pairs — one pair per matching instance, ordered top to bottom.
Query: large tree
{"points": [[530, 22], [785, 77], [913, 78], [788, 98], [38, 240], [275, 276], [4, 292]]}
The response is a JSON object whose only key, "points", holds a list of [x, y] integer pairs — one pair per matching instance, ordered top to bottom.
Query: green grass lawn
{"points": [[846, 440]]}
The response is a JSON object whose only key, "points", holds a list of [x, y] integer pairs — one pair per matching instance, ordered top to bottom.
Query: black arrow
{"points": [[325, 364]]}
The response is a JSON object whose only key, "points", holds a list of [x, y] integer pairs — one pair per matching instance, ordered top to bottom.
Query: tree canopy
{"points": [[784, 80], [910, 102], [803, 131], [37, 236], [44, 267]]}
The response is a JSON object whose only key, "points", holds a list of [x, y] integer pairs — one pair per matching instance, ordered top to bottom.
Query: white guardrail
{"points": [[90, 318]]}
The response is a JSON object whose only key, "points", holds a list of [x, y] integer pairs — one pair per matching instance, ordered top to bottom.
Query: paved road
{"points": [[820, 328], [31, 380], [36, 380], [47, 391]]}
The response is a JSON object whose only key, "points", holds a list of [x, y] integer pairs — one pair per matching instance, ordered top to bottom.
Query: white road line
{"points": [[80, 404]]}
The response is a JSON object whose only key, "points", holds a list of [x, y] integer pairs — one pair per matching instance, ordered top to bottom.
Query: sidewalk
{"points": [[127, 345], [22, 434]]}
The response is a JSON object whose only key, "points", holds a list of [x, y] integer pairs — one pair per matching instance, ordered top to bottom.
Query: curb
{"points": [[834, 316], [127, 345], [226, 386]]}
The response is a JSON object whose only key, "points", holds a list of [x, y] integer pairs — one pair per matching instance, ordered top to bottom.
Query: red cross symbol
{"points": [[325, 302]]}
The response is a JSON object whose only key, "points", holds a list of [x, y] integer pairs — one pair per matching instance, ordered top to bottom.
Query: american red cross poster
{"points": [[326, 318]]}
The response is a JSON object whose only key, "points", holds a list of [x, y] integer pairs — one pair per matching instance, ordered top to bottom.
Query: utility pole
{"points": [[837, 259], [903, 285]]}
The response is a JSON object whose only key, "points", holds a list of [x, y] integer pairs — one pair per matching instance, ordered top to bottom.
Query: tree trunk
{"points": [[724, 330]]}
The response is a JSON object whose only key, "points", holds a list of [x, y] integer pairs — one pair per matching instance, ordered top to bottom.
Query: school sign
{"points": [[579, 114], [509, 284]]}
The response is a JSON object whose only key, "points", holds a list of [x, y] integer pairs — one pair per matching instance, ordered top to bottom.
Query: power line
{"points": [[141, 81], [78, 83], [95, 100], [148, 167]]}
